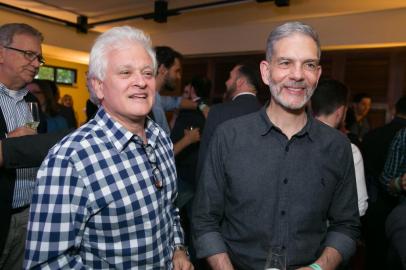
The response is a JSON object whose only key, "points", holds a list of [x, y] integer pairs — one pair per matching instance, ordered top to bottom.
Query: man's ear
{"points": [[2, 54], [265, 68], [162, 70], [240, 81], [97, 86], [340, 113]]}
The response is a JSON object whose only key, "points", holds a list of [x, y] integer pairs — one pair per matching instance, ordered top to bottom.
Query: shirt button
{"points": [[287, 148], [285, 181], [282, 212]]}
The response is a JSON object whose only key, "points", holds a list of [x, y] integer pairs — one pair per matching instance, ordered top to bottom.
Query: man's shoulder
{"points": [[236, 108], [238, 124], [324, 133], [84, 137]]}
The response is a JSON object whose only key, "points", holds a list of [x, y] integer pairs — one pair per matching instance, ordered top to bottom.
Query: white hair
{"points": [[114, 39]]}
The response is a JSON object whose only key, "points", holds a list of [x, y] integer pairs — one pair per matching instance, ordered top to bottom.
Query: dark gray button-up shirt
{"points": [[258, 189]]}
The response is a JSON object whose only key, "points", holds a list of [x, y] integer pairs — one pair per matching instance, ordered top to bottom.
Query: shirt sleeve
{"points": [[170, 103], [16, 154], [395, 164], [360, 179], [208, 208], [343, 215], [57, 216], [177, 227]]}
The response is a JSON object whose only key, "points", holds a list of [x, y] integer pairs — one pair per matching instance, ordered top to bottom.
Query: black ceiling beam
{"points": [[170, 12], [41, 16], [82, 25]]}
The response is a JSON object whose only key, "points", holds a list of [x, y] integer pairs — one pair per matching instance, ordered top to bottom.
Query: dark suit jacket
{"points": [[220, 113], [26, 151]]}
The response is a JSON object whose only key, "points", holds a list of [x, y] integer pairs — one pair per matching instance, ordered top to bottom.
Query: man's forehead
{"points": [[298, 41], [27, 42]]}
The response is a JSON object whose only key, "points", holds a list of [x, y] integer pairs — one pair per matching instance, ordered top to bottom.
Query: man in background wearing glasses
{"points": [[20, 59], [105, 194]]}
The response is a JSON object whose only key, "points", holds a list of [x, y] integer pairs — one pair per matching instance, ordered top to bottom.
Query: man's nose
{"points": [[296, 72]]}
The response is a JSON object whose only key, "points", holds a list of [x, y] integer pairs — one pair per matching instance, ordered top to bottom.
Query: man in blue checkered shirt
{"points": [[105, 194]]}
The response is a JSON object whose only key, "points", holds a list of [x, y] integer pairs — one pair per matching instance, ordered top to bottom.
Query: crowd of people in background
{"points": [[213, 187]]}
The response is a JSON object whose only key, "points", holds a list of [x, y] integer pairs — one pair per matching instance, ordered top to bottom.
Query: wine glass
{"points": [[34, 109], [276, 259]]}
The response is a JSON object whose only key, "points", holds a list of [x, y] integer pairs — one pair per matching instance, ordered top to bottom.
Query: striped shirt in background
{"points": [[16, 113], [104, 200]]}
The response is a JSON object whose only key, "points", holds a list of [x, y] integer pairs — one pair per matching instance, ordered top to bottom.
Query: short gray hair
{"points": [[289, 29], [8, 31], [114, 39]]}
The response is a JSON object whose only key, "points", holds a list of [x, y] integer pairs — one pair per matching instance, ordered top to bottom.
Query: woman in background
{"points": [[42, 90]]}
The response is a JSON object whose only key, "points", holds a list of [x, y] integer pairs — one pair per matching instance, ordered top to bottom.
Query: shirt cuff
{"points": [[209, 244], [344, 244]]}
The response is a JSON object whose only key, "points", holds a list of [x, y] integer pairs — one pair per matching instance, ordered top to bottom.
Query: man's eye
{"points": [[30, 55], [284, 64], [310, 66], [124, 72], [148, 74]]}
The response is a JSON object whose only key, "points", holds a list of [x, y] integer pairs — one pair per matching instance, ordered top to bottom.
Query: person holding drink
{"points": [[20, 59], [278, 178]]}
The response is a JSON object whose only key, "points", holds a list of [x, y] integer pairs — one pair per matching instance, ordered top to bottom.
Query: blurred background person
{"points": [[42, 90], [93, 103], [67, 110], [356, 119], [186, 137]]}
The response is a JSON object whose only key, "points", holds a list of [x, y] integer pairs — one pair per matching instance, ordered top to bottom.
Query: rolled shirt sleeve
{"points": [[170, 103], [208, 208], [343, 214]]}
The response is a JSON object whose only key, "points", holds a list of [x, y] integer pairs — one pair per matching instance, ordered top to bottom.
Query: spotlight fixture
{"points": [[278, 3], [282, 3], [161, 11], [81, 24]]}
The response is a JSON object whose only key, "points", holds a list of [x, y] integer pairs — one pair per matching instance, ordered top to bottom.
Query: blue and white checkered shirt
{"points": [[16, 113], [395, 165], [96, 204]]}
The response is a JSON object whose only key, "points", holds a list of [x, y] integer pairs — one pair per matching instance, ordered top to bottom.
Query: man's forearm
{"points": [[28, 151], [329, 259], [220, 261]]}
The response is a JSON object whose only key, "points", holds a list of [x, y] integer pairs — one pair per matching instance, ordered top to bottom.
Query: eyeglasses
{"points": [[29, 55], [155, 171]]}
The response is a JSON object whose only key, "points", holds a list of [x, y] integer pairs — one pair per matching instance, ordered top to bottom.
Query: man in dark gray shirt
{"points": [[277, 177]]}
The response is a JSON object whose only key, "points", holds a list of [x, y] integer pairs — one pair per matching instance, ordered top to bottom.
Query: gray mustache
{"points": [[295, 84]]}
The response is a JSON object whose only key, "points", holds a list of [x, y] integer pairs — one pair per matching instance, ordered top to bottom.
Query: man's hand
{"points": [[205, 111], [21, 131], [192, 135], [402, 182], [398, 185], [329, 260], [181, 261]]}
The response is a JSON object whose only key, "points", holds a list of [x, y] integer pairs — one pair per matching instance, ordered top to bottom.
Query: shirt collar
{"points": [[243, 93], [17, 95], [267, 126], [119, 136]]}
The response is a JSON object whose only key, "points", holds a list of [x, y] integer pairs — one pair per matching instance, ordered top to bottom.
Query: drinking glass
{"points": [[34, 108], [276, 259]]}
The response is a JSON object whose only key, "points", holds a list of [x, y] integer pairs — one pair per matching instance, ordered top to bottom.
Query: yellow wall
{"points": [[79, 91]]}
